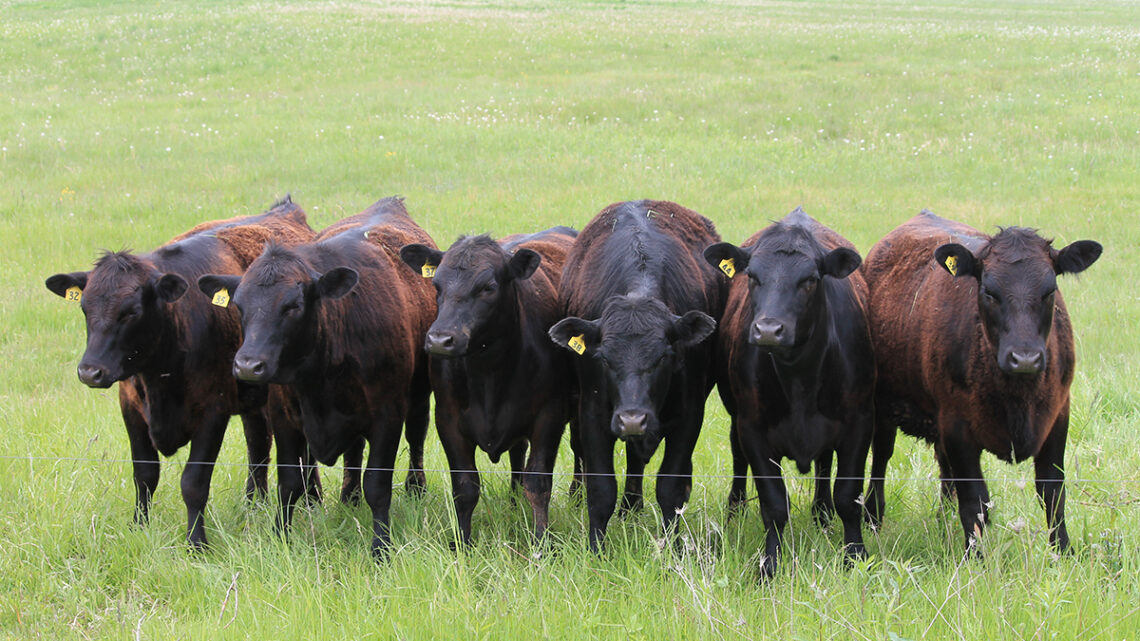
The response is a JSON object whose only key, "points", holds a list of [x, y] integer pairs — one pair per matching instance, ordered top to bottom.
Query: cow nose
{"points": [[767, 332], [440, 343], [1027, 362], [247, 368], [93, 375], [632, 423]]}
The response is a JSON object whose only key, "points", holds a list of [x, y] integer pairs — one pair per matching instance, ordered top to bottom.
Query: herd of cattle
{"points": [[325, 342]]}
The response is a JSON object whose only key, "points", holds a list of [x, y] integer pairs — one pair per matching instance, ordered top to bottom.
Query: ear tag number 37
{"points": [[428, 270], [221, 298]]}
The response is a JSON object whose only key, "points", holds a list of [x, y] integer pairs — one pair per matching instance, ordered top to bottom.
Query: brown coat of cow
{"points": [[975, 352]]}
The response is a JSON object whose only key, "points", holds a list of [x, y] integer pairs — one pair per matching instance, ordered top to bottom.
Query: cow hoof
{"points": [[416, 483], [630, 504]]}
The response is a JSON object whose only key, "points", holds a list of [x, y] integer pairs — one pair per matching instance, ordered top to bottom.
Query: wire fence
{"points": [[1019, 481]]}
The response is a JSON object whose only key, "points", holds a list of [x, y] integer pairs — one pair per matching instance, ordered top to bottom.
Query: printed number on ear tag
{"points": [[952, 265], [728, 266], [428, 270], [73, 294], [221, 298], [578, 344]]}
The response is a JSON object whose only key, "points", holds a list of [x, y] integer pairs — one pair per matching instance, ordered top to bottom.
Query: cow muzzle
{"points": [[768, 332], [447, 344], [1024, 362], [250, 369], [94, 375], [631, 423]]}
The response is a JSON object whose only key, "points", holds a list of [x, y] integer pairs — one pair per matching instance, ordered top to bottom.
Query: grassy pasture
{"points": [[123, 124]]}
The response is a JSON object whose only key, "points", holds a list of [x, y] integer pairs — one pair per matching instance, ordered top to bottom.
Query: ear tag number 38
{"points": [[728, 266], [428, 270], [73, 294], [221, 298], [578, 344]]}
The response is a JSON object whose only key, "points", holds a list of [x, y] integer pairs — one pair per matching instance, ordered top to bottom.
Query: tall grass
{"points": [[123, 124]]}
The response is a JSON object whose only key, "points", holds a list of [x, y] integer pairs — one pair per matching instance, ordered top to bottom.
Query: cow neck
{"points": [[164, 362]]}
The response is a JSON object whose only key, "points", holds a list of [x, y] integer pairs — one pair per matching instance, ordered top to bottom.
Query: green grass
{"points": [[123, 124]]}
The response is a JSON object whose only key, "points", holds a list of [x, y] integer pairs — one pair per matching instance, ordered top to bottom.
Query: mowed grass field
{"points": [[123, 124]]}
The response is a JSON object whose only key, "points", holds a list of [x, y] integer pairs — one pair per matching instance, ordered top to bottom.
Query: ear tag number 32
{"points": [[73, 294], [221, 298]]}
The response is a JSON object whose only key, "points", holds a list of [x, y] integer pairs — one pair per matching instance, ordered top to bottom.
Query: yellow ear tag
{"points": [[952, 265], [728, 266], [428, 270], [73, 294], [221, 298], [578, 344]]}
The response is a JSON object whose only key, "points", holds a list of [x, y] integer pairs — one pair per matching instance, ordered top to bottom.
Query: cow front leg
{"points": [[383, 444], [144, 456], [964, 461], [1049, 465], [197, 474], [822, 504]]}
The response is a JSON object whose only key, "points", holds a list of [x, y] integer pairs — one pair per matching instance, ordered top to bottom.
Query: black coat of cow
{"points": [[641, 302], [342, 322], [975, 352], [171, 354], [796, 369], [499, 383]]}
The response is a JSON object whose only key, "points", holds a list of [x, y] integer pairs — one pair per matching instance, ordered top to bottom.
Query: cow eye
{"points": [[808, 285], [489, 288], [989, 295], [1048, 296], [291, 307]]}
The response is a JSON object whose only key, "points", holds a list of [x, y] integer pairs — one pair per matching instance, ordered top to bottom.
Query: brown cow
{"points": [[342, 322], [975, 352], [171, 354], [499, 383]]}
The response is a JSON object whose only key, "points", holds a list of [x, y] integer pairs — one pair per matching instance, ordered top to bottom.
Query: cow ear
{"points": [[1077, 257], [421, 258], [727, 258], [957, 260], [840, 263], [523, 264], [337, 282], [60, 283], [214, 284], [170, 287], [692, 328], [577, 335]]}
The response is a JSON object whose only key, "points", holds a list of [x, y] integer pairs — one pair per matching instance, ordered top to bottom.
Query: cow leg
{"points": [[417, 426], [258, 441], [383, 445], [883, 448], [460, 454], [144, 456], [353, 461], [518, 464], [293, 465], [852, 465], [1049, 465], [540, 470], [946, 473], [197, 474], [675, 477], [577, 482], [601, 484], [771, 491], [738, 493], [973, 496], [631, 498], [823, 505]]}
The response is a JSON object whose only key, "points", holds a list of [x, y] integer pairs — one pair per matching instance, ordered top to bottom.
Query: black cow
{"points": [[641, 301], [342, 322], [975, 352], [171, 354], [796, 369], [498, 381]]}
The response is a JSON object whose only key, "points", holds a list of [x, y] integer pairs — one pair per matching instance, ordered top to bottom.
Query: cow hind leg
{"points": [[353, 458], [823, 505]]}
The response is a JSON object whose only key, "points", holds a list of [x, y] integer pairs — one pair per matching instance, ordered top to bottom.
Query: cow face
{"points": [[785, 269], [1016, 274], [474, 284], [278, 298], [124, 300], [637, 346]]}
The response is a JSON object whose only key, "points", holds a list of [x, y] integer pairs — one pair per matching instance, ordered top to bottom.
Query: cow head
{"points": [[785, 267], [1016, 274], [474, 284], [279, 297], [124, 300], [638, 345]]}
